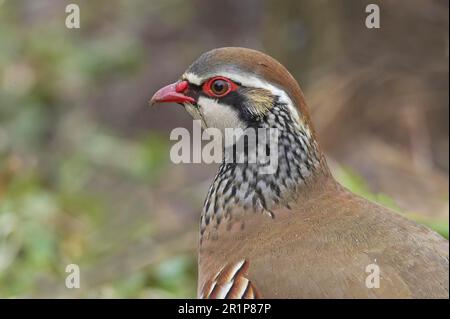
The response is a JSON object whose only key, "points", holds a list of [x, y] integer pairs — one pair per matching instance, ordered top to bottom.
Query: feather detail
{"points": [[230, 283]]}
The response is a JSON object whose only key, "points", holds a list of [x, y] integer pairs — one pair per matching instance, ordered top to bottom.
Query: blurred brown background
{"points": [[85, 175]]}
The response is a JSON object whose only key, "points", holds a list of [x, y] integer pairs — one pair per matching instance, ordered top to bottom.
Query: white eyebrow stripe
{"points": [[192, 78], [249, 81]]}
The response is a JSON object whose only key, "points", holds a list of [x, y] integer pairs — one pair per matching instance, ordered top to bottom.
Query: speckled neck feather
{"points": [[242, 187]]}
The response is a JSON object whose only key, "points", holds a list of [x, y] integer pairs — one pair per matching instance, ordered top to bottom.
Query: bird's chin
{"points": [[192, 110], [195, 112]]}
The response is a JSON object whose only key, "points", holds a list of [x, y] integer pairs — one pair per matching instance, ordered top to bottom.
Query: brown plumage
{"points": [[295, 233], [322, 246]]}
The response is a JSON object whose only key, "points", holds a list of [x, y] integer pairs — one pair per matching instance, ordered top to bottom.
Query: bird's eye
{"points": [[219, 86]]}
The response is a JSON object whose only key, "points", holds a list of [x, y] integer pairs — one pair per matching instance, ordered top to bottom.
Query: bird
{"points": [[295, 232]]}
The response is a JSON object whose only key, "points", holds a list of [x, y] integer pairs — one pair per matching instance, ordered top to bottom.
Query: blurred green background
{"points": [[85, 175]]}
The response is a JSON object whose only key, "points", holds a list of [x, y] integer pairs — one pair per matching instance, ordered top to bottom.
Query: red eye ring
{"points": [[210, 89]]}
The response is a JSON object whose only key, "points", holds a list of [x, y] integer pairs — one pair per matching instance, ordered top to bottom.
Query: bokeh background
{"points": [[85, 175]]}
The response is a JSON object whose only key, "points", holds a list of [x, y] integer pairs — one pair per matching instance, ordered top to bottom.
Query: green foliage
{"points": [[67, 181], [357, 185]]}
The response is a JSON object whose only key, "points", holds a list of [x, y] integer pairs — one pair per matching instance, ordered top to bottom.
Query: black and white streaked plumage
{"points": [[255, 103], [243, 186], [295, 233]]}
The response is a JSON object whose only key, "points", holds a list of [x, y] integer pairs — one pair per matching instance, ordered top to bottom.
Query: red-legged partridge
{"points": [[294, 232]]}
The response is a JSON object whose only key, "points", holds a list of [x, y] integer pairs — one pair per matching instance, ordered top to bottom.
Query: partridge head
{"points": [[294, 232]]}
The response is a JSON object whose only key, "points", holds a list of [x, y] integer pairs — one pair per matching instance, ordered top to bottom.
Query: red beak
{"points": [[172, 93]]}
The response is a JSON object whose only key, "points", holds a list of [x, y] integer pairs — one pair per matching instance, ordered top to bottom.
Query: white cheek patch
{"points": [[218, 115]]}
